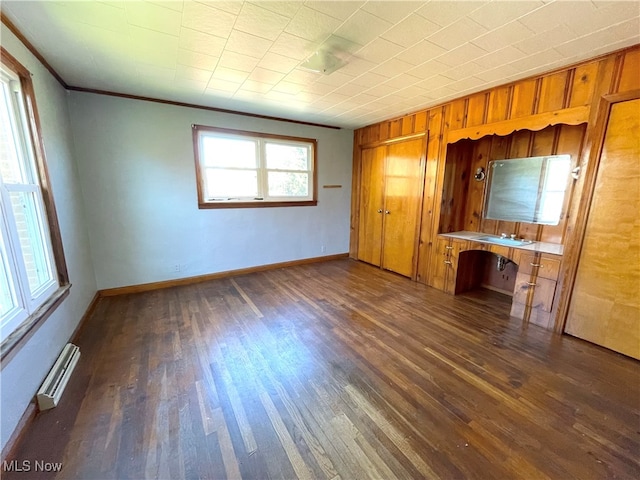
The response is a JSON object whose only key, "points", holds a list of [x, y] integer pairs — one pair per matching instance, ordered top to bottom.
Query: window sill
{"points": [[301, 203], [27, 328]]}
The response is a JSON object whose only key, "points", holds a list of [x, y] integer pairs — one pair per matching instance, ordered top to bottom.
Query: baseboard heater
{"points": [[56, 381]]}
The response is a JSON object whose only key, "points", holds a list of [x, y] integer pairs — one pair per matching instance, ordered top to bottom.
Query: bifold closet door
{"points": [[403, 197], [371, 205], [605, 302]]}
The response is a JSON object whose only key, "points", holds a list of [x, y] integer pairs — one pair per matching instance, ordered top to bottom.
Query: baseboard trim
{"points": [[146, 287], [90, 309], [10, 449]]}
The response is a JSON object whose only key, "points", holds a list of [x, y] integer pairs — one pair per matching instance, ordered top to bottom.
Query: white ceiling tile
{"points": [[176, 5], [232, 6], [288, 9], [340, 10], [393, 11], [445, 12], [91, 13], [555, 13], [603, 16], [153, 17], [491, 17], [207, 19], [259, 21], [312, 25], [362, 27], [411, 30], [629, 30], [457, 33], [506, 35], [201, 42], [540, 42], [247, 44], [153, 47], [293, 47], [379, 50], [421, 52], [462, 54], [500, 57], [197, 60], [537, 60], [237, 61], [278, 63], [357, 66], [391, 68], [428, 69], [465, 70], [155, 72], [190, 73], [498, 74], [230, 75], [266, 76], [302, 77], [336, 79], [369, 80], [403, 80], [435, 82], [467, 83], [224, 85], [253, 86], [189, 88], [290, 88], [319, 88], [351, 89], [380, 90], [410, 92], [216, 93], [307, 97]]}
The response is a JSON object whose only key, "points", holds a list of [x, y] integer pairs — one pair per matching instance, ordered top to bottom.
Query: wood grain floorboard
{"points": [[334, 370]]}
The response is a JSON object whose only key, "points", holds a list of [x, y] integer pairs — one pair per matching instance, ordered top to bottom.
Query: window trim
{"points": [[203, 203], [24, 331]]}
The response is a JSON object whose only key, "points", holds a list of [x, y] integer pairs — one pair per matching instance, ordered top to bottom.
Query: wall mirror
{"points": [[528, 189]]}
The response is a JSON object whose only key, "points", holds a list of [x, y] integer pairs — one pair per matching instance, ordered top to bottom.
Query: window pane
{"points": [[229, 152], [287, 157], [11, 167], [231, 183], [288, 184], [32, 240], [7, 302]]}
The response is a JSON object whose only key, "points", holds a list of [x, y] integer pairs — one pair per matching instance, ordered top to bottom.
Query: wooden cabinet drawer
{"points": [[548, 267], [543, 291], [537, 316]]}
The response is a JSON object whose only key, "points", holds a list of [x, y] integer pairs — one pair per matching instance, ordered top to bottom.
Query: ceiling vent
{"points": [[322, 62]]}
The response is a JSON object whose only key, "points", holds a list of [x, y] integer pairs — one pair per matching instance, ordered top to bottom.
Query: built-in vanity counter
{"points": [[527, 270]]}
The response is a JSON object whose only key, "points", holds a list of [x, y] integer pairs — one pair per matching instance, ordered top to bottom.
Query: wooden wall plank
{"points": [[630, 75], [584, 81], [552, 92], [524, 97], [499, 104], [476, 110], [458, 114], [421, 120], [407, 124], [395, 128], [475, 190], [427, 224]]}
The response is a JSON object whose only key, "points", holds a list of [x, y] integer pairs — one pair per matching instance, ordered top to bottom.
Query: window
{"points": [[248, 169], [30, 273]]}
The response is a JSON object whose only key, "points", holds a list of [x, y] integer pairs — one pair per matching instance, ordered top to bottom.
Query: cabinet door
{"points": [[403, 197], [371, 205], [442, 259], [605, 303]]}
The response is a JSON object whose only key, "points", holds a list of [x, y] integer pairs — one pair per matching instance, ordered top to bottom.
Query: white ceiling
{"points": [[400, 56]]}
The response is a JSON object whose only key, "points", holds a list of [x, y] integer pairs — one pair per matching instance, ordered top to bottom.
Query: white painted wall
{"points": [[137, 172], [21, 377]]}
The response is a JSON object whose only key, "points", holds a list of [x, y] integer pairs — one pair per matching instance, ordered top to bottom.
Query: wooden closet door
{"points": [[403, 197], [371, 205], [605, 305]]}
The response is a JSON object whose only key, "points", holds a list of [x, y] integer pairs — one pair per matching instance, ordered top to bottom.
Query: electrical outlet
{"points": [[323, 249], [176, 268]]}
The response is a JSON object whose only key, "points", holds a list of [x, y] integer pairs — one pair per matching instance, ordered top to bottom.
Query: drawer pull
{"points": [[379, 210], [448, 247], [448, 262], [536, 265], [531, 284]]}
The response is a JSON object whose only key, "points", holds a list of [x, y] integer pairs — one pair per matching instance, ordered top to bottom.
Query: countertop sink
{"points": [[508, 242]]}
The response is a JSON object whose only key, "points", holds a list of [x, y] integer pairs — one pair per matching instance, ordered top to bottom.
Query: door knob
{"points": [[379, 210], [387, 212]]}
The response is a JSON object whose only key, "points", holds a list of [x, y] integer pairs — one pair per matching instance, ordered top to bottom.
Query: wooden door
{"points": [[402, 200], [371, 205], [605, 303]]}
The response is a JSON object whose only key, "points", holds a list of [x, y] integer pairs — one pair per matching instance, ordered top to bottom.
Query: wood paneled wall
{"points": [[523, 114]]}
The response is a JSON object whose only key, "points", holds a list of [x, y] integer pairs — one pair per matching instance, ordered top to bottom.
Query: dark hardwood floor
{"points": [[334, 370]]}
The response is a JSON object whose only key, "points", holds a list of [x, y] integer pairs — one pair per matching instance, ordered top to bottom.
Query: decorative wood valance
{"points": [[566, 116]]}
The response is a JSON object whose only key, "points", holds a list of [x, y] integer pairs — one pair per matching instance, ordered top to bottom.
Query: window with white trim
{"points": [[249, 169], [28, 275]]}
